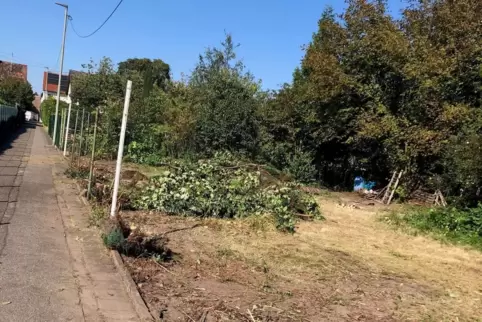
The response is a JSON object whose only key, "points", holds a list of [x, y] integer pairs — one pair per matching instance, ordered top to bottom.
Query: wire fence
{"points": [[8, 115], [76, 135]]}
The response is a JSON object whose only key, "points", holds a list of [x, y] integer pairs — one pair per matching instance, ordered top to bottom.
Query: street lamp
{"points": [[66, 7]]}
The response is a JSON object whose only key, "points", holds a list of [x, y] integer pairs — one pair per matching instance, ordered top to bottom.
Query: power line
{"points": [[100, 27], [27, 62]]}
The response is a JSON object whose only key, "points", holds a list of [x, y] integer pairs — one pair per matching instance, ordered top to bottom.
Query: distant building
{"points": [[9, 69], [50, 85], [36, 103]]}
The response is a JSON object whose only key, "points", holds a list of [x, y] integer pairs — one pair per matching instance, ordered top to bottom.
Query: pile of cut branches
{"points": [[224, 188]]}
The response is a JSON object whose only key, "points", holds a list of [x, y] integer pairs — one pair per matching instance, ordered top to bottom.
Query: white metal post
{"points": [[61, 69], [67, 128], [120, 152]]}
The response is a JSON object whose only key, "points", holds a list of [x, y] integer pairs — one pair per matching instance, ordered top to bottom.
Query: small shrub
{"points": [[301, 167], [77, 173], [114, 239], [135, 244]]}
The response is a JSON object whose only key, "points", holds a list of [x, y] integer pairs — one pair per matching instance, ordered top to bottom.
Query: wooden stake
{"points": [[394, 187], [385, 196], [442, 199]]}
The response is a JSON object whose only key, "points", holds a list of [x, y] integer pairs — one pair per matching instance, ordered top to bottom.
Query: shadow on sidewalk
{"points": [[6, 142]]}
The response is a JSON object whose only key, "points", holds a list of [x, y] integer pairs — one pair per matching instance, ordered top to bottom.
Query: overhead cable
{"points": [[99, 28]]}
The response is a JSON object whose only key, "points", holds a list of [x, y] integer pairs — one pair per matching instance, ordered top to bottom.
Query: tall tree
{"points": [[155, 72], [224, 97]]}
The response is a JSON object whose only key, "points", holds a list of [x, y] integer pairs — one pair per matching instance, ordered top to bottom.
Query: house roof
{"points": [[9, 69], [51, 81]]}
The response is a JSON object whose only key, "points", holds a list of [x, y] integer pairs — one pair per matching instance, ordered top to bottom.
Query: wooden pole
{"points": [[395, 187], [385, 196], [442, 198]]}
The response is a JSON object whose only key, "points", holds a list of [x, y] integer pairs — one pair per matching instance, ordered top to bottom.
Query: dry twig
{"points": [[180, 229], [164, 267], [251, 316], [190, 318]]}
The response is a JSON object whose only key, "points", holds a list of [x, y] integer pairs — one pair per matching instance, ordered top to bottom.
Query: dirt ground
{"points": [[350, 267]]}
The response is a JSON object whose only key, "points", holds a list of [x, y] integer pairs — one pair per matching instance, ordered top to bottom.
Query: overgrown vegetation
{"points": [[16, 91], [374, 94], [47, 108], [223, 188], [97, 216], [462, 226]]}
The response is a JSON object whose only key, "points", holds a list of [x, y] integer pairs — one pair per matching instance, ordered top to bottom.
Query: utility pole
{"points": [[66, 7]]}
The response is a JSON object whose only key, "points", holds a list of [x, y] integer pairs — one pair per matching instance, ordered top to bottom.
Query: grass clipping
{"points": [[224, 188]]}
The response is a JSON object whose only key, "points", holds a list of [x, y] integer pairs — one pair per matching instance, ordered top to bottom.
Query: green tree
{"points": [[155, 72], [98, 83], [14, 90], [374, 94], [225, 99]]}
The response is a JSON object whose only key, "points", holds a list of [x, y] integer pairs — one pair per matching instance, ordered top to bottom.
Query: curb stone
{"points": [[130, 286]]}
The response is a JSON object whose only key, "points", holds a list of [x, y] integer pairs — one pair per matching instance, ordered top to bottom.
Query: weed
{"points": [[77, 173], [97, 216], [446, 224], [114, 239], [226, 253], [399, 255]]}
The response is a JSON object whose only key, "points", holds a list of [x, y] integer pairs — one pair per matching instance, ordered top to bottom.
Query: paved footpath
{"points": [[52, 266]]}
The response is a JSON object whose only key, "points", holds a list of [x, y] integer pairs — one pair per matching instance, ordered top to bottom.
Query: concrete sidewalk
{"points": [[52, 266]]}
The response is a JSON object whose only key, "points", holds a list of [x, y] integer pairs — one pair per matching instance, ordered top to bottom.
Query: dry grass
{"points": [[347, 268]]}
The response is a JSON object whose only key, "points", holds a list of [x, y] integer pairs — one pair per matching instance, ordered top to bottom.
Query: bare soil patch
{"points": [[347, 268]]}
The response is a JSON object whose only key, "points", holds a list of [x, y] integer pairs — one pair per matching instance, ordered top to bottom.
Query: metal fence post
{"points": [[62, 122], [67, 129], [88, 133], [81, 136], [73, 139], [89, 188]]}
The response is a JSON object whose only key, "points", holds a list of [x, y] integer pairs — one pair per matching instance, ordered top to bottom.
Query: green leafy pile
{"points": [[224, 189], [456, 225]]}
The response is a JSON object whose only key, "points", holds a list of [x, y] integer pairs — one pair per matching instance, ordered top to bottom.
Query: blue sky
{"points": [[271, 32]]}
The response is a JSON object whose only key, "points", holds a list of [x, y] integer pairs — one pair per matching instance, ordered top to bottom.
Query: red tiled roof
{"points": [[8, 69]]}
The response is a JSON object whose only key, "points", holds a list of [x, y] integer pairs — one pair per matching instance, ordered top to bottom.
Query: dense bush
{"points": [[14, 90], [47, 108], [224, 189], [462, 226]]}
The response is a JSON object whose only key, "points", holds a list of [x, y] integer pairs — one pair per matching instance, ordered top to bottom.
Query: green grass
{"points": [[452, 225]]}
